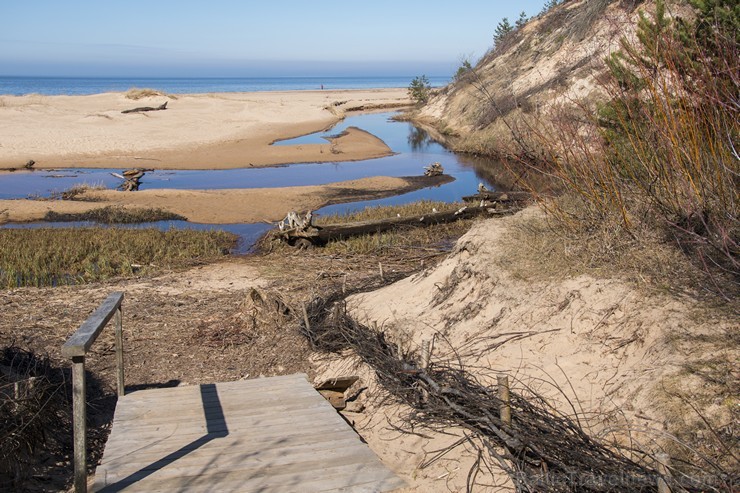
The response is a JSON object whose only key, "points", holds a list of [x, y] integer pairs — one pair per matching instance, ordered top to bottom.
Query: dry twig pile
{"points": [[542, 450]]}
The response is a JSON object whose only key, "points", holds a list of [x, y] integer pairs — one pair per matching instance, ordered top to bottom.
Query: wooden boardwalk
{"points": [[266, 435]]}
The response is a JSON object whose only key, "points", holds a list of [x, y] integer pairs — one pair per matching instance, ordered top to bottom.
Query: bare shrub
{"points": [[663, 150], [34, 413]]}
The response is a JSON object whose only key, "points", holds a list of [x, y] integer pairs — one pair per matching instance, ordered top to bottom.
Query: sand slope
{"points": [[621, 356]]}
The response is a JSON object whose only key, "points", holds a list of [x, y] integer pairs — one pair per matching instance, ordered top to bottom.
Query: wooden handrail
{"points": [[76, 348]]}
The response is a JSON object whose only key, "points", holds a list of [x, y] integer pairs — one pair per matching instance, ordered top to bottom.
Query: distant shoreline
{"points": [[79, 86]]}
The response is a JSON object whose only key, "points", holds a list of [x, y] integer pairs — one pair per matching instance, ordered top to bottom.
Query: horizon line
{"points": [[218, 76]]}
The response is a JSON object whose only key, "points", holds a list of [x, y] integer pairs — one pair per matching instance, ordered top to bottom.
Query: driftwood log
{"points": [[140, 109], [28, 165], [434, 169], [131, 179], [489, 196], [319, 235]]}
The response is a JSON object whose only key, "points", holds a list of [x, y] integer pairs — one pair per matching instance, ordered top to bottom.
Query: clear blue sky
{"points": [[187, 38]]}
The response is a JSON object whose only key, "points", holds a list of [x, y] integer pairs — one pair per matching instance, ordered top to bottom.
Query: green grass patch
{"points": [[49, 257]]}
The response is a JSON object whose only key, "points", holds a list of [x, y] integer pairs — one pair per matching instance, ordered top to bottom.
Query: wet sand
{"points": [[222, 206]]}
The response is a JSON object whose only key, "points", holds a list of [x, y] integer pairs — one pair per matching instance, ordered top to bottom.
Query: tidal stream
{"points": [[412, 146]]}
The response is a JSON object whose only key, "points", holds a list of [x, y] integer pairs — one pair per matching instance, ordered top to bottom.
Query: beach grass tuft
{"points": [[136, 93], [49, 257]]}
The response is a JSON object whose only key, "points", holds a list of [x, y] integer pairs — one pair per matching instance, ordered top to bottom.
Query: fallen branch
{"points": [[141, 109], [489, 196], [320, 235]]}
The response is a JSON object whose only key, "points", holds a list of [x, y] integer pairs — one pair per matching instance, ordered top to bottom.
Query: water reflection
{"points": [[419, 139]]}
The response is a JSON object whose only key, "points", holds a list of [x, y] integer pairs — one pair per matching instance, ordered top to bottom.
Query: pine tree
{"points": [[549, 5], [521, 20], [503, 29], [420, 89]]}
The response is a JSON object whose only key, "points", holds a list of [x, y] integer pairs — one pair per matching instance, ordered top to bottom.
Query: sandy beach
{"points": [[197, 131]]}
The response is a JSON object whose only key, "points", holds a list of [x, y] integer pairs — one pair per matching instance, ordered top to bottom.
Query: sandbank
{"points": [[196, 131], [223, 206]]}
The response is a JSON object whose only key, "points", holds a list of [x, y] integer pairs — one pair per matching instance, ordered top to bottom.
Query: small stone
{"points": [[354, 407]]}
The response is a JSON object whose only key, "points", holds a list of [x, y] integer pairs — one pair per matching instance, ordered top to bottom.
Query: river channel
{"points": [[413, 149]]}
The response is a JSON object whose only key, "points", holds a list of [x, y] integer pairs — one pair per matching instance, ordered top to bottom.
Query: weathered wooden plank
{"points": [[161, 107], [499, 197], [340, 231], [118, 321], [82, 339], [283, 381], [339, 384], [247, 397], [139, 399], [79, 414], [141, 415], [231, 422], [289, 423], [314, 434], [238, 436], [239, 456], [278, 471], [330, 478]]}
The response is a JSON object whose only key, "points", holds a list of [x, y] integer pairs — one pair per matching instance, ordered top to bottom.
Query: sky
{"points": [[269, 38]]}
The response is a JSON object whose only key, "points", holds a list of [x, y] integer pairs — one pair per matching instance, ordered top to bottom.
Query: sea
{"points": [[51, 86]]}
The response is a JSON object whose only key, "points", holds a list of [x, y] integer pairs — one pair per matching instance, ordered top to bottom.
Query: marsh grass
{"points": [[77, 192], [386, 212], [116, 215], [48, 257]]}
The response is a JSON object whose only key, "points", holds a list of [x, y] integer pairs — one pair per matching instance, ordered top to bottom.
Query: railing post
{"points": [[75, 348], [119, 349], [426, 354], [504, 396], [79, 414]]}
